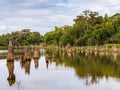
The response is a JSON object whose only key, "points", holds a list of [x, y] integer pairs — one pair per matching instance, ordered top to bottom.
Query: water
{"points": [[78, 72]]}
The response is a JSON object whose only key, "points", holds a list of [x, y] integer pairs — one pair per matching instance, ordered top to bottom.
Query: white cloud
{"points": [[42, 1], [43, 15], [3, 27]]}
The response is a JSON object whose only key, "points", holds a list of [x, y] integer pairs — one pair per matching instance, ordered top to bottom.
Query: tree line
{"points": [[89, 28], [23, 37]]}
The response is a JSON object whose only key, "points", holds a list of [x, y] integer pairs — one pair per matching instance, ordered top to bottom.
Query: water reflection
{"points": [[95, 52], [36, 53], [114, 56], [36, 57], [36, 63], [47, 63], [26, 65], [92, 67], [11, 76]]}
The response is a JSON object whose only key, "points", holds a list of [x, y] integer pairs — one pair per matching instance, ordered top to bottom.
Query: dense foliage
{"points": [[89, 29], [23, 37]]}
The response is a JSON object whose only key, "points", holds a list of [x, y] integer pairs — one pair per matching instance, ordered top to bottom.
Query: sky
{"points": [[43, 15]]}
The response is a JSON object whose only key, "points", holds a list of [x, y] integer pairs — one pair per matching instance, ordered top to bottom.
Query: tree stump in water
{"points": [[114, 48], [101, 49], [69, 50], [10, 52], [36, 53], [27, 54], [47, 56], [10, 57]]}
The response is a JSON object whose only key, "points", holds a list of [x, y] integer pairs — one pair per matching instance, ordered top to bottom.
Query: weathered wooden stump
{"points": [[114, 48], [78, 49], [90, 49], [96, 49], [101, 49], [106, 49], [69, 50], [82, 50], [10, 52], [36, 53], [27, 54], [101, 54], [10, 57], [47, 57]]}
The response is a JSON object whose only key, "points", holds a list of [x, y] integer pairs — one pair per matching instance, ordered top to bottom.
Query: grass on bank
{"points": [[110, 45]]}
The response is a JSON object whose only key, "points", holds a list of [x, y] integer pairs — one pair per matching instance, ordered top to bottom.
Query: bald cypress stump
{"points": [[10, 52], [26, 53], [36, 53]]}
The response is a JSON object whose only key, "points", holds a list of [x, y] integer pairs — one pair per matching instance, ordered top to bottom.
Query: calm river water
{"points": [[74, 72]]}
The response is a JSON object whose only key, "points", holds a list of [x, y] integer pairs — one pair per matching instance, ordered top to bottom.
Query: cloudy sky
{"points": [[43, 15]]}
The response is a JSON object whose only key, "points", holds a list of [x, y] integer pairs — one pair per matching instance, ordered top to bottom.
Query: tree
{"points": [[23, 37]]}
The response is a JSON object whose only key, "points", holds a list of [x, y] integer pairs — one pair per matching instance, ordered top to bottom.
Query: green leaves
{"points": [[89, 29], [24, 37]]}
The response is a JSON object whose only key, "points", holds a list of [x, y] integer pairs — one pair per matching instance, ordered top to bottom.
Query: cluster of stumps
{"points": [[26, 59]]}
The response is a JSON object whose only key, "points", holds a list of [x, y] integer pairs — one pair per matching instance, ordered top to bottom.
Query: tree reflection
{"points": [[114, 56], [36, 57], [36, 63], [47, 63], [26, 65], [92, 67]]}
